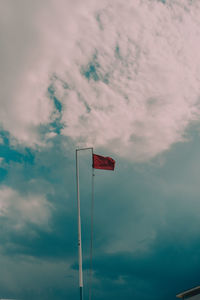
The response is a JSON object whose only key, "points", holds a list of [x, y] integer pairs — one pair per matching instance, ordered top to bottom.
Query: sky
{"points": [[122, 77]]}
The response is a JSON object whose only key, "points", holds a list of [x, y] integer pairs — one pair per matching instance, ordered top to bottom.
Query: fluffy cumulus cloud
{"points": [[125, 74], [23, 103], [22, 209]]}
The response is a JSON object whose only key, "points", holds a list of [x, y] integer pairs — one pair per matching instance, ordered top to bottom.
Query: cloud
{"points": [[127, 74], [23, 103], [22, 209]]}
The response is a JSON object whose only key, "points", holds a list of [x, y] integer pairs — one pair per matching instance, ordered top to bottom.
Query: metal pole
{"points": [[79, 225], [79, 231], [91, 234]]}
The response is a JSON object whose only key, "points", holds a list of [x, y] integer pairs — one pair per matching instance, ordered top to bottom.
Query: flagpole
{"points": [[98, 162], [79, 224], [92, 229], [79, 230]]}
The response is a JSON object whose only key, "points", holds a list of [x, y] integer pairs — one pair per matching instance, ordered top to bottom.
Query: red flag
{"points": [[102, 162]]}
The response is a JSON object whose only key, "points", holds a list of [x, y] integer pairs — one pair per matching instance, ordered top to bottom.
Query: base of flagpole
{"points": [[81, 293]]}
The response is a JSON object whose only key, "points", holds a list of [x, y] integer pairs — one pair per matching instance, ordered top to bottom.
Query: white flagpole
{"points": [[79, 224], [79, 230], [91, 233]]}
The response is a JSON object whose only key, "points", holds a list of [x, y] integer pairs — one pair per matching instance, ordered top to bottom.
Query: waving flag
{"points": [[102, 162]]}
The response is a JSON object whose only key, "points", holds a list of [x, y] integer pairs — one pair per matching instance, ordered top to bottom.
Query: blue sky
{"points": [[122, 77]]}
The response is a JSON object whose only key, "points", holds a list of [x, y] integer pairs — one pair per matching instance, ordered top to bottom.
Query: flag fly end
{"points": [[103, 163]]}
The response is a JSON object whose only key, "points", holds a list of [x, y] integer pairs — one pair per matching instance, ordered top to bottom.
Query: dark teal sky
{"points": [[122, 77]]}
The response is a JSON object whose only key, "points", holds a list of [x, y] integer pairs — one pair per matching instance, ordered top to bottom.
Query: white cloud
{"points": [[23, 85], [143, 90], [21, 209]]}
